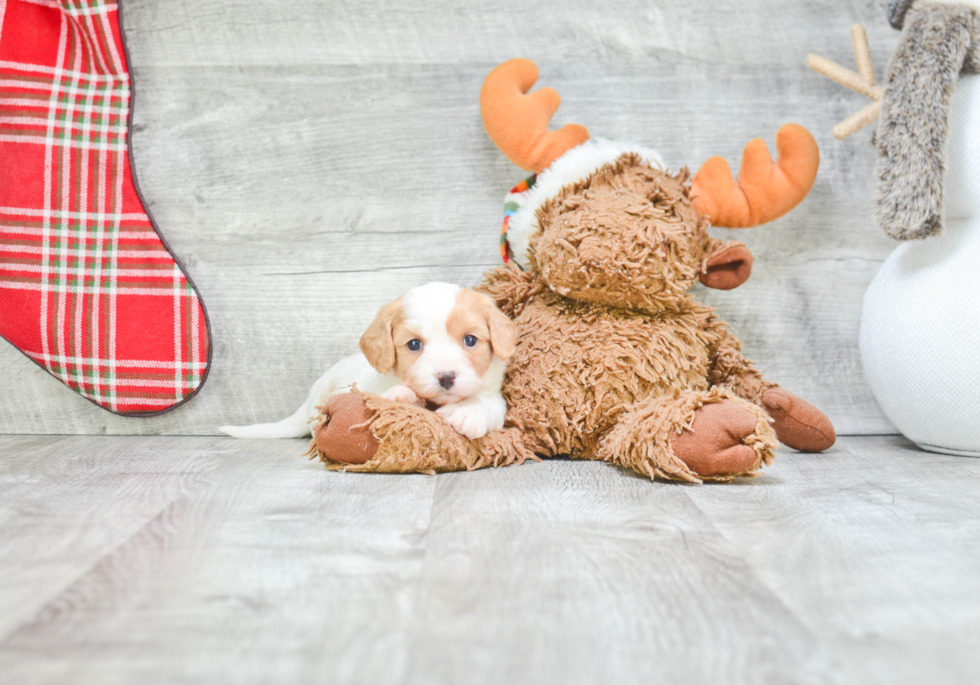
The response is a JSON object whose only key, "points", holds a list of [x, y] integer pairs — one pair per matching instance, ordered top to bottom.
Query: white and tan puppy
{"points": [[438, 344]]}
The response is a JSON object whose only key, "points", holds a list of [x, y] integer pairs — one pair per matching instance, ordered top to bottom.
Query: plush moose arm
{"points": [[510, 288], [730, 368]]}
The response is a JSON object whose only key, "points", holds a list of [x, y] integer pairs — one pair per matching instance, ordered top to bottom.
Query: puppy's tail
{"points": [[296, 426]]}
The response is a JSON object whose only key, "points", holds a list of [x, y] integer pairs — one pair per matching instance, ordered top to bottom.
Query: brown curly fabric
{"points": [[627, 236], [511, 288], [583, 364], [730, 368], [415, 439]]}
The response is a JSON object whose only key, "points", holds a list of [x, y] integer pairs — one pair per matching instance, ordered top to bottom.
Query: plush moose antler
{"points": [[862, 82], [518, 122], [765, 190]]}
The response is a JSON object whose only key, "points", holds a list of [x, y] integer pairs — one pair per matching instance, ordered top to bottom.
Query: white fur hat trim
{"points": [[575, 165]]}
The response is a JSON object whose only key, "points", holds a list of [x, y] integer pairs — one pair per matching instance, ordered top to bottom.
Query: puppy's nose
{"points": [[446, 379]]}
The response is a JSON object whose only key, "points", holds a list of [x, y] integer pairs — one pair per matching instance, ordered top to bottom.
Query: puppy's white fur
{"points": [[437, 314]]}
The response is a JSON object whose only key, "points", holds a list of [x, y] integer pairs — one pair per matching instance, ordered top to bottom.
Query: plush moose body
{"points": [[614, 359]]}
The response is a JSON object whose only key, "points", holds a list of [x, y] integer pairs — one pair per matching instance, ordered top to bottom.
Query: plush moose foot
{"points": [[798, 423], [343, 434], [692, 436], [714, 445]]}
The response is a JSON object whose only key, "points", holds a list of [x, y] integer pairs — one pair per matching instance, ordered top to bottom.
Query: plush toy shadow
{"points": [[614, 359]]}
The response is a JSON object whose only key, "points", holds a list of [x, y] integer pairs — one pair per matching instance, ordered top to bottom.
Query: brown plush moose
{"points": [[614, 359]]}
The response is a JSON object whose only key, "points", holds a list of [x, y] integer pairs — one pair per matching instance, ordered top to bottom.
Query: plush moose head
{"points": [[605, 222]]}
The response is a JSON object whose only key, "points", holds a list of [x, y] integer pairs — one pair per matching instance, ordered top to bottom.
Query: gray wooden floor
{"points": [[209, 560]]}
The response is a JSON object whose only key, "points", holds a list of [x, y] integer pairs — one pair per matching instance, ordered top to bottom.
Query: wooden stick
{"points": [[862, 54], [845, 77], [862, 81], [856, 122]]}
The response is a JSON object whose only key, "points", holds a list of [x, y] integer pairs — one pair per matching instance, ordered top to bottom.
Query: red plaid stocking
{"points": [[88, 289]]}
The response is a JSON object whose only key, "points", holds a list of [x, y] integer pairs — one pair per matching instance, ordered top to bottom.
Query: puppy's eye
{"points": [[470, 341], [415, 344]]}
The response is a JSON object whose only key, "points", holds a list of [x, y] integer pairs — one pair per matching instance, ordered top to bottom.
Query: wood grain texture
{"points": [[310, 161], [119, 549], [209, 560]]}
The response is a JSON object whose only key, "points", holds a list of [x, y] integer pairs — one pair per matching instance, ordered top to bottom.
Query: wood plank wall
{"points": [[309, 161]]}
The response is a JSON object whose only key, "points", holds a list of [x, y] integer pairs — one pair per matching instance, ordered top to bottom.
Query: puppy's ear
{"points": [[727, 267], [503, 333], [377, 343]]}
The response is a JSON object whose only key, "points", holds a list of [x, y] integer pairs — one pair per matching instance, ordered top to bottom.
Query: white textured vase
{"points": [[920, 325]]}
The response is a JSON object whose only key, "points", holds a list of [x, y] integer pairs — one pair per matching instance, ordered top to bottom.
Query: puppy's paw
{"points": [[403, 393], [469, 420]]}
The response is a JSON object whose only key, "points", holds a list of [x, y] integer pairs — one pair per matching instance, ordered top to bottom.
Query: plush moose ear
{"points": [[727, 267]]}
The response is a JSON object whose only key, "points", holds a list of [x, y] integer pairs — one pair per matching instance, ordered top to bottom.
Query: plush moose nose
{"points": [[446, 379]]}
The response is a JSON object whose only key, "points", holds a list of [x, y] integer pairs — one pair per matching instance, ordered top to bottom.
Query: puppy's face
{"points": [[439, 340]]}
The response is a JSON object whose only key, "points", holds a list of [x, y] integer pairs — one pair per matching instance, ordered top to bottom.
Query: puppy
{"points": [[438, 344]]}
